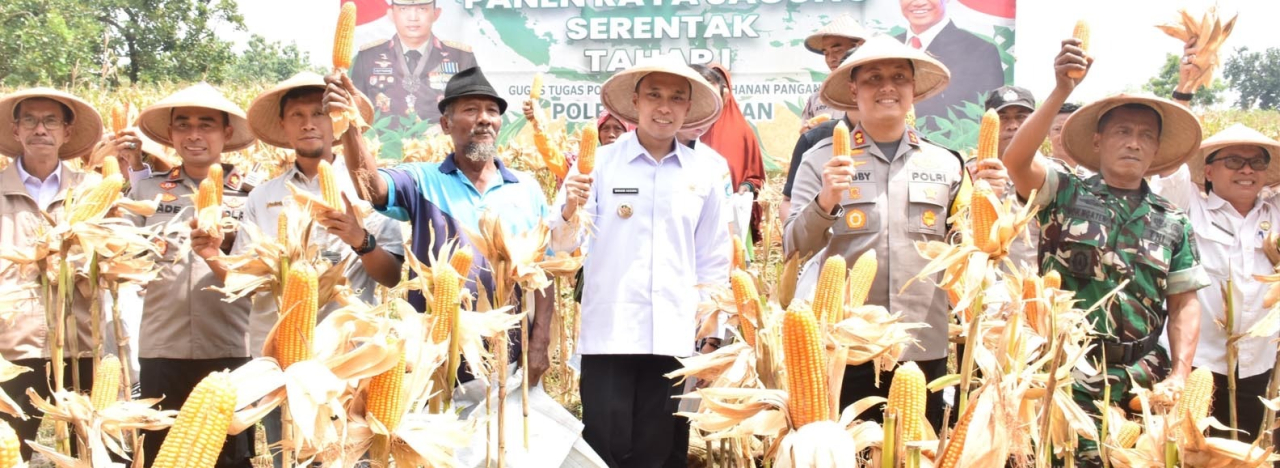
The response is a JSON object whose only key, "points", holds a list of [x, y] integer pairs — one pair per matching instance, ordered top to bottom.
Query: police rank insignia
{"points": [[168, 185], [168, 197], [1265, 225]]}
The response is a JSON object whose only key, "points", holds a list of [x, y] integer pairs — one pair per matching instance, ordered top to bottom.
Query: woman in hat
{"points": [[45, 128], [1235, 222], [658, 232]]}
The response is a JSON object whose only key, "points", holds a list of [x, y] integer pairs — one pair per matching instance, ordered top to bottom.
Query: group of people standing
{"points": [[1128, 178]]}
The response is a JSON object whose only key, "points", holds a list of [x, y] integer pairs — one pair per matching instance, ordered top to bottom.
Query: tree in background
{"points": [[49, 41], [264, 61], [1254, 75], [1164, 83]]}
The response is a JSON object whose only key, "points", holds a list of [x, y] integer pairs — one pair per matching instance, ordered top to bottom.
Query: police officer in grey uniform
{"points": [[405, 75], [901, 191], [188, 331]]}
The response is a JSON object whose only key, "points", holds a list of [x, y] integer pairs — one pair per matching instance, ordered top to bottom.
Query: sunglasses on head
{"points": [[1236, 163]]}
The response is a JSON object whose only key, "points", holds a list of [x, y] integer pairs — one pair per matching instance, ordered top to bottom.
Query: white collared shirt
{"points": [[928, 35], [43, 191], [263, 210], [660, 232], [1230, 245]]}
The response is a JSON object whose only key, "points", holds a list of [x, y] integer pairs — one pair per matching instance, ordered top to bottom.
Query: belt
{"points": [[1127, 353]]}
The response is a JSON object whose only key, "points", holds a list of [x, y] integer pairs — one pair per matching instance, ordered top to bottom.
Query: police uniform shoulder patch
{"points": [[370, 45], [457, 45], [859, 138], [175, 174], [168, 185]]}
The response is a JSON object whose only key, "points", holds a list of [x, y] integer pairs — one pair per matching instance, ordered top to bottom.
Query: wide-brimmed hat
{"points": [[843, 26], [931, 75], [470, 82], [618, 92], [264, 112], [154, 120], [83, 133], [1179, 135], [1237, 135]]}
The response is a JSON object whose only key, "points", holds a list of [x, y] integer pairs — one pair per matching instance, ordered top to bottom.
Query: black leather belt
{"points": [[1127, 353]]}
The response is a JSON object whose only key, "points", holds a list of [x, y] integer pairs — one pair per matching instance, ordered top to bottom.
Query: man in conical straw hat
{"points": [[291, 115], [43, 128], [892, 190], [657, 209], [1234, 220], [1111, 228], [188, 330]]}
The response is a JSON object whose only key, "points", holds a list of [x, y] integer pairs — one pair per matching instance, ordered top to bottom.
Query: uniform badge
{"points": [[449, 67], [373, 80], [1009, 95], [383, 102], [911, 136], [858, 138], [857, 152], [175, 173], [234, 181], [168, 185], [931, 192], [855, 193], [168, 197], [234, 202], [625, 211], [929, 218], [855, 219], [1265, 225]]}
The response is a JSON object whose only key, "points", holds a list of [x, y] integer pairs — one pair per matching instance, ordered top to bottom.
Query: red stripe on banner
{"points": [[1001, 8], [368, 11]]}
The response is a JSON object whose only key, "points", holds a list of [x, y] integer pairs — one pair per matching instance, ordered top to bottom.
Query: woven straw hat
{"points": [[843, 26], [931, 75], [617, 93], [264, 112], [154, 120], [84, 132], [1237, 135], [1179, 136]]}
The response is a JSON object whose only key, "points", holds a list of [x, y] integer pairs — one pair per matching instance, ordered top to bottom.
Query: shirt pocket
{"points": [[927, 208], [860, 215], [1081, 257]]}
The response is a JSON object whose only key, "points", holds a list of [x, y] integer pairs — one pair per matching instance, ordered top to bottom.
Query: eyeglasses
{"points": [[50, 122], [1236, 163]]}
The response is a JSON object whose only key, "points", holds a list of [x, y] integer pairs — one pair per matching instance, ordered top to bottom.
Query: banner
{"points": [[409, 50]]}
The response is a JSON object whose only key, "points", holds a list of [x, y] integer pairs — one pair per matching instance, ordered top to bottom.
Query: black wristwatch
{"points": [[1183, 96], [369, 244]]}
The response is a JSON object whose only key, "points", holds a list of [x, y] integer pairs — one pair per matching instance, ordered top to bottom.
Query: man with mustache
{"points": [[291, 115], [46, 127], [892, 190], [440, 199], [1112, 229], [188, 331]]}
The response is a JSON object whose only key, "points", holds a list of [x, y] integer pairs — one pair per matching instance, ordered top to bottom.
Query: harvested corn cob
{"points": [[1080, 32], [344, 37], [535, 92], [818, 120], [989, 136], [587, 144], [840, 145], [110, 166], [329, 185], [96, 201], [984, 217], [461, 261], [861, 278], [828, 297], [747, 300], [444, 301], [297, 325], [806, 368], [106, 383], [1197, 395], [386, 398], [907, 398], [200, 430], [10, 447], [955, 447]]}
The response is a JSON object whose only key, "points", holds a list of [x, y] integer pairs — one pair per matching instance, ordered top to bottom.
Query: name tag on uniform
{"points": [[626, 191]]}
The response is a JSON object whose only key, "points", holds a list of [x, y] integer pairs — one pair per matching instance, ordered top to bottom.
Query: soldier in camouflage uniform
{"points": [[405, 75], [1110, 230]]}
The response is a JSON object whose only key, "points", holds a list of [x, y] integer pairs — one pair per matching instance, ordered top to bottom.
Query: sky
{"points": [[1127, 48]]}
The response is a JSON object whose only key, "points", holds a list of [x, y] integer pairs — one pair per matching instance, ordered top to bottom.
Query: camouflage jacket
{"points": [[1096, 241]]}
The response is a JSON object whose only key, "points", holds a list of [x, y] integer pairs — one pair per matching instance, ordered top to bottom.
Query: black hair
{"points": [[853, 73], [712, 75], [641, 80], [297, 93], [1133, 106], [1068, 108], [67, 115], [226, 118]]}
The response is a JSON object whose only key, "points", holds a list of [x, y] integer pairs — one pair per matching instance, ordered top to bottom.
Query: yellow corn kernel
{"points": [[1080, 32], [344, 37], [535, 92], [120, 117], [818, 120], [989, 136], [587, 144], [840, 145], [551, 156], [110, 166], [215, 173], [329, 191], [207, 194], [95, 203], [984, 216], [282, 226], [739, 253], [461, 261], [861, 278], [1052, 280], [1030, 295], [828, 297], [747, 300], [444, 301], [297, 326], [806, 368], [106, 383], [1197, 395], [907, 398], [385, 399], [200, 429], [1127, 436], [10, 447], [951, 457]]}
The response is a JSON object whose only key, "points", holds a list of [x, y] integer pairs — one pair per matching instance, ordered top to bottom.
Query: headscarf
{"points": [[605, 116], [733, 138]]}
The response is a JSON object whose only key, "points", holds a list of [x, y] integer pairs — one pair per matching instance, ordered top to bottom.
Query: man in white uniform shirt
{"points": [[1232, 221], [659, 233]]}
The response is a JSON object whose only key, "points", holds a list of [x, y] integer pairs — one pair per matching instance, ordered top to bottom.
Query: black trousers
{"points": [[174, 379], [36, 380], [860, 382], [1249, 409], [628, 412]]}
